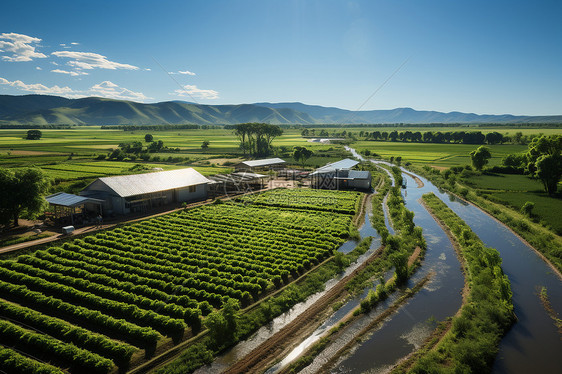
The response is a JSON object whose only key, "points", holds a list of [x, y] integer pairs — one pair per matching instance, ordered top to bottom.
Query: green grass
{"points": [[440, 155], [506, 182], [515, 190], [547, 208]]}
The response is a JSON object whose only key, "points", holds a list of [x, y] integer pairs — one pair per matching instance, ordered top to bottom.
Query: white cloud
{"points": [[74, 43], [62, 45], [21, 46], [89, 60], [38, 68], [147, 69], [184, 72], [71, 73], [38, 88], [104, 89], [111, 90], [192, 90]]}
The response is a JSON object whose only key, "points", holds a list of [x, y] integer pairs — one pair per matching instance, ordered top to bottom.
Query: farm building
{"points": [[265, 164], [339, 175], [137, 193], [65, 208]]}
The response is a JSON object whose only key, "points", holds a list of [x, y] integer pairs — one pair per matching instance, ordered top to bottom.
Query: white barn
{"points": [[139, 192]]}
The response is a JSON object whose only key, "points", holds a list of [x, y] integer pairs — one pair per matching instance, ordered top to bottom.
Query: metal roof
{"points": [[264, 162], [345, 164], [354, 174], [138, 184], [69, 200]]}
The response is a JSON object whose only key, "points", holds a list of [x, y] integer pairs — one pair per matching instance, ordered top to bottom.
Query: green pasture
{"points": [[88, 140], [440, 155], [505, 182], [515, 190]]}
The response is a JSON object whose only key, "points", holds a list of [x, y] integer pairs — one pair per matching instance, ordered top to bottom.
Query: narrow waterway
{"points": [[405, 330], [533, 344]]}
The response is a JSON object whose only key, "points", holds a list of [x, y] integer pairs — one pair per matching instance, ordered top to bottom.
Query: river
{"points": [[533, 344]]}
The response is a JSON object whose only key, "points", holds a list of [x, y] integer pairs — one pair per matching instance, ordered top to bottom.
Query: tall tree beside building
{"points": [[21, 191]]}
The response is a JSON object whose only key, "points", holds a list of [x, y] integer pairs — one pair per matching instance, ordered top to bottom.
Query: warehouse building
{"points": [[339, 175], [140, 192]]}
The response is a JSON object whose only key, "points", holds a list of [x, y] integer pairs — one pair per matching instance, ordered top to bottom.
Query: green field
{"points": [[439, 155], [516, 190]]}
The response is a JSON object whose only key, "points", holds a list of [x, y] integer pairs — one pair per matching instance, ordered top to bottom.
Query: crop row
{"points": [[101, 290], [142, 317], [139, 336], [54, 349], [117, 351], [14, 362]]}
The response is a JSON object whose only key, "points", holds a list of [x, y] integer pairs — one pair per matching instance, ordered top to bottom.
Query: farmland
{"points": [[438, 155], [101, 299]]}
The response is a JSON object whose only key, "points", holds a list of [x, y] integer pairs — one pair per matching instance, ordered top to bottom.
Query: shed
{"points": [[265, 164], [338, 175], [139, 192], [71, 208]]}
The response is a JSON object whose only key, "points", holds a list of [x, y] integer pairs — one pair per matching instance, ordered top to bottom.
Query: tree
{"points": [[34, 134], [494, 137], [148, 138], [256, 138], [205, 145], [156, 146], [301, 154], [480, 156], [545, 161], [21, 191], [223, 324]]}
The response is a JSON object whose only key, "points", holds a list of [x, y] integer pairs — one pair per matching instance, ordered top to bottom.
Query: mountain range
{"points": [[44, 110]]}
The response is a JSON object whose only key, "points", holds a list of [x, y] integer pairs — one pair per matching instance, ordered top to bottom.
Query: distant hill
{"points": [[44, 110]]}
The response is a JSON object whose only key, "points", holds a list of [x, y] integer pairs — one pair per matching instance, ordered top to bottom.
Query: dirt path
{"points": [[294, 332]]}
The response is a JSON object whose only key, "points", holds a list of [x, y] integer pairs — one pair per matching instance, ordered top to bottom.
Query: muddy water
{"points": [[240, 350]]}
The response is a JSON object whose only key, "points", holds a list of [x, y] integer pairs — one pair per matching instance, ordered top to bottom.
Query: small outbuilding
{"points": [[265, 164], [339, 175], [140, 192], [67, 208]]}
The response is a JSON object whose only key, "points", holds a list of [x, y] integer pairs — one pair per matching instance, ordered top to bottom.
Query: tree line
{"points": [[159, 127], [472, 137], [256, 138]]}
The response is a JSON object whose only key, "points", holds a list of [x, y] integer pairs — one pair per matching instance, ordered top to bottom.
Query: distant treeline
{"points": [[416, 125], [26, 127], [159, 127], [472, 137]]}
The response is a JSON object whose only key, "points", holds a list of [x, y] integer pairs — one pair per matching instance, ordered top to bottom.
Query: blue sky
{"points": [[486, 57]]}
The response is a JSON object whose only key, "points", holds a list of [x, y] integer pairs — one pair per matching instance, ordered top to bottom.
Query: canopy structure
{"points": [[268, 163], [235, 183], [71, 206]]}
